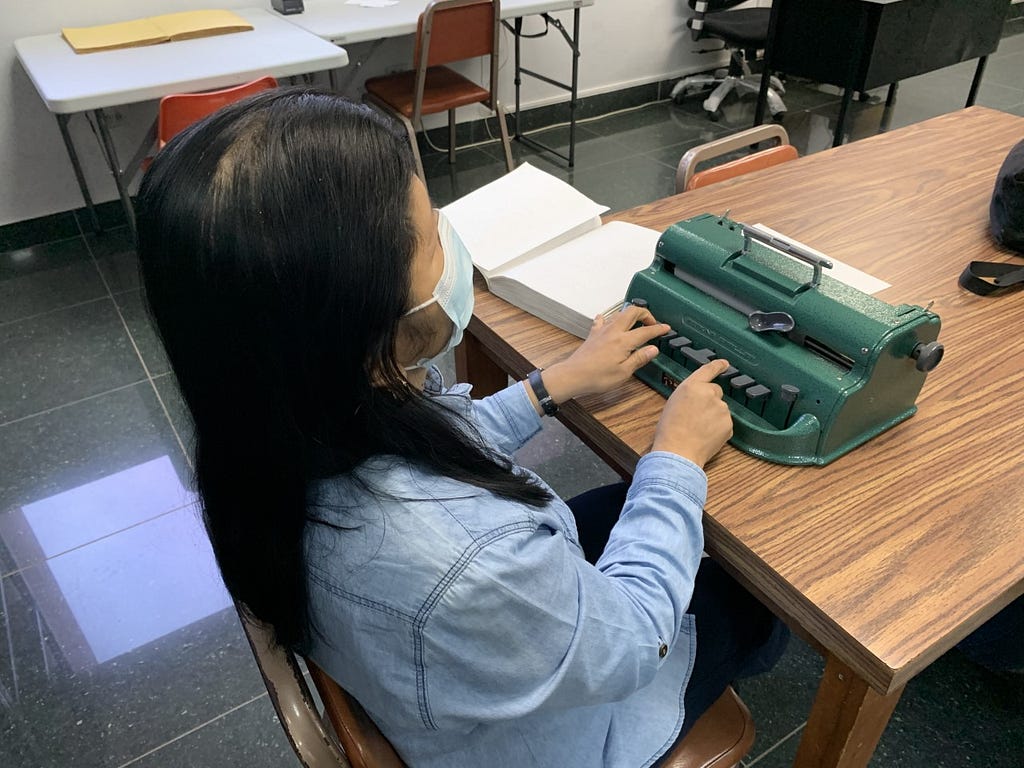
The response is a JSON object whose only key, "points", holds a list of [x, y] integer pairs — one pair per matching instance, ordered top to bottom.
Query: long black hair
{"points": [[275, 244]]}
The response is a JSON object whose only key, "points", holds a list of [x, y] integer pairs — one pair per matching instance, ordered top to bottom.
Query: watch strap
{"points": [[549, 406]]}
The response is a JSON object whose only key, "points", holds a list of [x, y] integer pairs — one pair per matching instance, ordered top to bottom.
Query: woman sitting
{"points": [[302, 285]]}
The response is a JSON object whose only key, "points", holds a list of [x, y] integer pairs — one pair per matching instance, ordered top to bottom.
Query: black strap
{"points": [[1005, 275], [549, 406]]}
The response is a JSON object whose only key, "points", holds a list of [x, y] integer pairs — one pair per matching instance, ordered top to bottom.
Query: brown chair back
{"points": [[454, 30], [688, 178], [364, 744]]}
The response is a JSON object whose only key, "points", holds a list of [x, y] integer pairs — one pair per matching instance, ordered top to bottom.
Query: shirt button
{"points": [[662, 650]]}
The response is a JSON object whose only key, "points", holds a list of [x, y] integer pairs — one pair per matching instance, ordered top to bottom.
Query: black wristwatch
{"points": [[549, 406]]}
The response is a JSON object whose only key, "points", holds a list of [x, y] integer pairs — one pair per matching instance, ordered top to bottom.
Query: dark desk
{"points": [[858, 45]]}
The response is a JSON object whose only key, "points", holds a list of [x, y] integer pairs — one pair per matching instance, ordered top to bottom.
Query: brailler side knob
{"points": [[927, 355]]}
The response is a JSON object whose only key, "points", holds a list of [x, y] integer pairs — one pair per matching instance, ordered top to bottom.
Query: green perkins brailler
{"points": [[817, 367]]}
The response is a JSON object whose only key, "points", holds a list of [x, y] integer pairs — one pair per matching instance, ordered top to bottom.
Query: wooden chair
{"points": [[448, 31], [180, 110], [687, 178], [349, 738]]}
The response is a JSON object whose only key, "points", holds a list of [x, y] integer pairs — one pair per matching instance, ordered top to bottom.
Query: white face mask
{"points": [[454, 289]]}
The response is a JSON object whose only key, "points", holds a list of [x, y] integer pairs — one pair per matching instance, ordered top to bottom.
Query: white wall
{"points": [[623, 43]]}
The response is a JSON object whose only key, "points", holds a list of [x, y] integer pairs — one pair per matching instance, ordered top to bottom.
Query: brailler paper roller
{"points": [[817, 367]]}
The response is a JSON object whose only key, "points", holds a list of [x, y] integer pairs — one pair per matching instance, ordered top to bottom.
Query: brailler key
{"points": [[642, 303], [665, 338], [679, 342], [699, 356], [728, 373], [740, 383], [757, 392], [789, 393]]}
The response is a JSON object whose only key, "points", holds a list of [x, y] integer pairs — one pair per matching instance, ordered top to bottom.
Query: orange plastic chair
{"points": [[448, 31], [180, 110], [687, 178], [342, 735]]}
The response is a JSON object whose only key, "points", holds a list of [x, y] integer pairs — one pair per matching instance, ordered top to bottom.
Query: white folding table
{"points": [[345, 23], [70, 83]]}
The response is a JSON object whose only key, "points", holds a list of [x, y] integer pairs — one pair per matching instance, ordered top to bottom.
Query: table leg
{"points": [[517, 35], [976, 82], [574, 92], [844, 105], [62, 123], [110, 152], [474, 366], [846, 721]]}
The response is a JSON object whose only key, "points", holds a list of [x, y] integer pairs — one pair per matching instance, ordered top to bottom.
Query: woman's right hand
{"points": [[695, 422]]}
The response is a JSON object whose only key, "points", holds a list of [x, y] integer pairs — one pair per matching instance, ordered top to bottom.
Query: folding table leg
{"points": [[62, 123], [110, 152]]}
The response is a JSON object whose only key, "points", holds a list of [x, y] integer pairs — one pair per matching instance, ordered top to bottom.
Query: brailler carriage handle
{"points": [[789, 248]]}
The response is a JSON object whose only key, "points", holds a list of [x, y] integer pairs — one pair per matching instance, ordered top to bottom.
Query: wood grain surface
{"points": [[891, 554]]}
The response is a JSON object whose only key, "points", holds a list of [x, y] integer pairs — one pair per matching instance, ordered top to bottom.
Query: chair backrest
{"points": [[701, 8], [455, 30], [180, 110], [688, 178], [720, 738], [348, 739]]}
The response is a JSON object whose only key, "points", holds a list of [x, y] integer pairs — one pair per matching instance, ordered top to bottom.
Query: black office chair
{"points": [[744, 31]]}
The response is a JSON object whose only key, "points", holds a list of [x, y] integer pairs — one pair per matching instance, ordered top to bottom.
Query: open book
{"points": [[156, 29], [540, 245]]}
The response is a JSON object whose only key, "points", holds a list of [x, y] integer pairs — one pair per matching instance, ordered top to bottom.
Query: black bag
{"points": [[1006, 221]]}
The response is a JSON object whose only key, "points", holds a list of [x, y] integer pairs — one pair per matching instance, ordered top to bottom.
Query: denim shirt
{"points": [[473, 631]]}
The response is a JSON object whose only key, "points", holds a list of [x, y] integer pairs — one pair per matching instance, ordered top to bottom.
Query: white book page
{"points": [[522, 213], [840, 271], [589, 275]]}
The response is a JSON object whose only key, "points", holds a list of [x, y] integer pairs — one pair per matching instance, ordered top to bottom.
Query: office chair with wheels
{"points": [[448, 31], [744, 31], [687, 176], [344, 736]]}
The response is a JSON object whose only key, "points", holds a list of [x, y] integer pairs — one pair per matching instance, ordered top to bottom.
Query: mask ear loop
{"points": [[424, 305]]}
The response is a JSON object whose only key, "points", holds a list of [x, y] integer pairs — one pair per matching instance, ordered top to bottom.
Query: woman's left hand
{"points": [[611, 353]]}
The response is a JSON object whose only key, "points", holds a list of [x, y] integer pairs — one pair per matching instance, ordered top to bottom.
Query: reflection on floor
{"points": [[117, 643]]}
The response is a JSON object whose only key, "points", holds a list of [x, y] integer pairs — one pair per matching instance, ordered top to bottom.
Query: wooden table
{"points": [[890, 555]]}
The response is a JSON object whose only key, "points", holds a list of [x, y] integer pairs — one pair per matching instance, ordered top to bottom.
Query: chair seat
{"points": [[745, 28], [444, 89], [720, 738]]}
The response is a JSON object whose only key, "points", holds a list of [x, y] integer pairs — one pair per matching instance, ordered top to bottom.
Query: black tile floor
{"points": [[118, 645]]}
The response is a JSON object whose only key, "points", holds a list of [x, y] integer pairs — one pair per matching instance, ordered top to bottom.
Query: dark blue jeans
{"points": [[736, 636], [998, 644]]}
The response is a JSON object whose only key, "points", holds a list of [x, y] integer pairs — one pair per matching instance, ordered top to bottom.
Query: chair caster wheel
{"points": [[863, 96], [715, 116], [778, 117]]}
